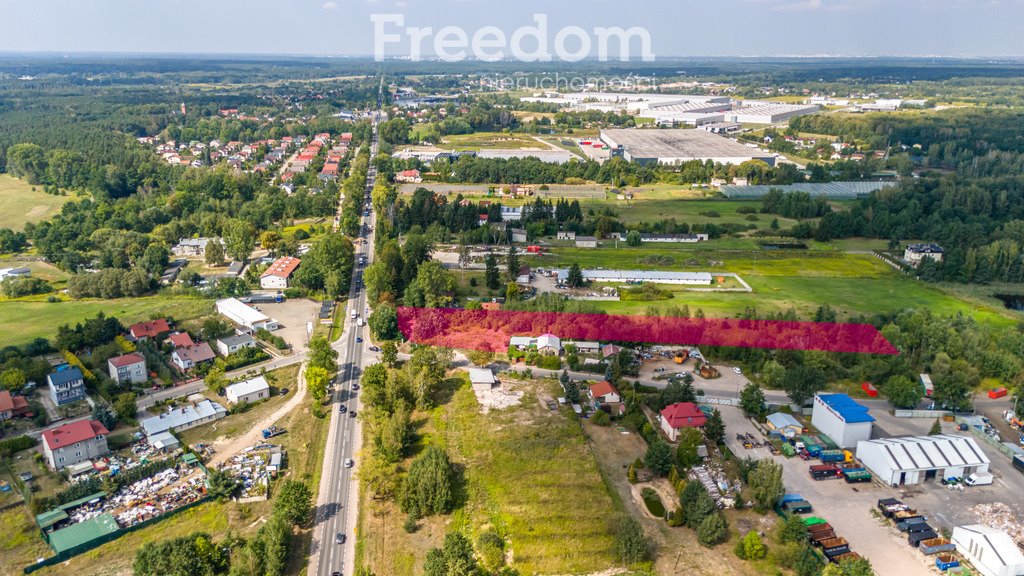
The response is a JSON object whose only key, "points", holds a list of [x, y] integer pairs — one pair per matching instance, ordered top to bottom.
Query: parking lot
{"points": [[293, 316], [848, 507]]}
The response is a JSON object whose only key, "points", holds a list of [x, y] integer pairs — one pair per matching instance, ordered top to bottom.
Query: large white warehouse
{"points": [[650, 146], [245, 315], [842, 419], [909, 460], [992, 552]]}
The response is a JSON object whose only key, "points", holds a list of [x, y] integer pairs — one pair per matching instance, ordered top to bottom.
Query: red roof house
{"points": [[151, 329], [180, 339], [604, 393], [681, 415], [72, 433]]}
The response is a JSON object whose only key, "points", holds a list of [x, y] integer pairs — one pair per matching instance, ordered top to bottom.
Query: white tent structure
{"points": [[915, 459], [992, 552]]}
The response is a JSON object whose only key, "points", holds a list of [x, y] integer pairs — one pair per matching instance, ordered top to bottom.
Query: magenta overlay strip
{"points": [[490, 330]]}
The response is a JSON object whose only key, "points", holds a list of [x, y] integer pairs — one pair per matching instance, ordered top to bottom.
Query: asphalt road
{"points": [[338, 497]]}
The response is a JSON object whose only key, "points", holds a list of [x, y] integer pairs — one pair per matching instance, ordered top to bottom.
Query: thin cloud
{"points": [[330, 6]]}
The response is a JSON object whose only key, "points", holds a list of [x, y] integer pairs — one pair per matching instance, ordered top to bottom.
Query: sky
{"points": [[675, 27]]}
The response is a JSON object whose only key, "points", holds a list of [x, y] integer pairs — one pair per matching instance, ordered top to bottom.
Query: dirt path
{"points": [[253, 436]]}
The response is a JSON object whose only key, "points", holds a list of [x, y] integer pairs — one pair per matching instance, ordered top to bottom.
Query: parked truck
{"points": [[682, 356], [272, 431], [828, 456], [824, 471], [856, 475], [979, 479], [798, 507], [936, 545]]}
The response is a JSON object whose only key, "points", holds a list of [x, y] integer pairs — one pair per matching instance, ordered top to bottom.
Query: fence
{"points": [[719, 401], [931, 414], [993, 442], [97, 542]]}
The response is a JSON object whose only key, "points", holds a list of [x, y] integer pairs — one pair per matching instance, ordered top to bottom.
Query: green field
{"points": [[489, 140], [20, 204], [853, 284], [23, 320], [532, 477]]}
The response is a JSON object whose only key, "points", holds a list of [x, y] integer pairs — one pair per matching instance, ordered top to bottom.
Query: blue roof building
{"points": [[66, 386], [842, 419]]}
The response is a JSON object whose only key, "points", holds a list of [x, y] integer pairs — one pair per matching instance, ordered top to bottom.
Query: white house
{"points": [[566, 236], [195, 247], [916, 253], [276, 277], [231, 344], [188, 356], [128, 368], [249, 391], [75, 442], [992, 552]]}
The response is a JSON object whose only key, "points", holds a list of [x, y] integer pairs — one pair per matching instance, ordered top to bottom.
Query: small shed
{"points": [[482, 379], [785, 424], [164, 442]]}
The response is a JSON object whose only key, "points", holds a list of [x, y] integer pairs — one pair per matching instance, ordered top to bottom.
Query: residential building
{"points": [[409, 177], [518, 234], [586, 242], [195, 247], [916, 253], [276, 277], [245, 316], [147, 330], [180, 340], [231, 344], [549, 345], [187, 357], [128, 368], [66, 386], [250, 391], [604, 393], [12, 406], [681, 415], [178, 419], [842, 419], [75, 442], [908, 460], [991, 552]]}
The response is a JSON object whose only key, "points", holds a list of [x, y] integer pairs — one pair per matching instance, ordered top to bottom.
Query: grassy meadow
{"points": [[20, 204]]}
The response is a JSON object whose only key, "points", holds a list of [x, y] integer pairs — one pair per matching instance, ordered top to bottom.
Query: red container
{"points": [[533, 249], [869, 389], [997, 393]]}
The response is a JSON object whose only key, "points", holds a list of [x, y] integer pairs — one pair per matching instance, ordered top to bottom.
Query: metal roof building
{"points": [[648, 146], [831, 190], [653, 276], [179, 419], [842, 419], [915, 459], [84, 532], [992, 552]]}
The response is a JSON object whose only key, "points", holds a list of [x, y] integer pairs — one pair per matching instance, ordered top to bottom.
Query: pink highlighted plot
{"points": [[490, 330]]}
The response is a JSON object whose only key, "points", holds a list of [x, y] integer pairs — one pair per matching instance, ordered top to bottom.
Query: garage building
{"points": [[245, 316], [842, 419], [910, 460], [992, 552]]}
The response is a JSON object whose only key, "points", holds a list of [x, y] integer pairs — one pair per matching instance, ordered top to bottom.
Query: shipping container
{"points": [[997, 393], [832, 456], [918, 537], [936, 545]]}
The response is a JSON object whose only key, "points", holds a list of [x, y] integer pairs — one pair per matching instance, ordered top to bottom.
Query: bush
{"points": [[244, 357], [549, 362], [601, 418], [17, 444], [713, 530], [631, 544]]}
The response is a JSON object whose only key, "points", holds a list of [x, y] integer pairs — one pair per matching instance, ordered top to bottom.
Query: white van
{"points": [[979, 479]]}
